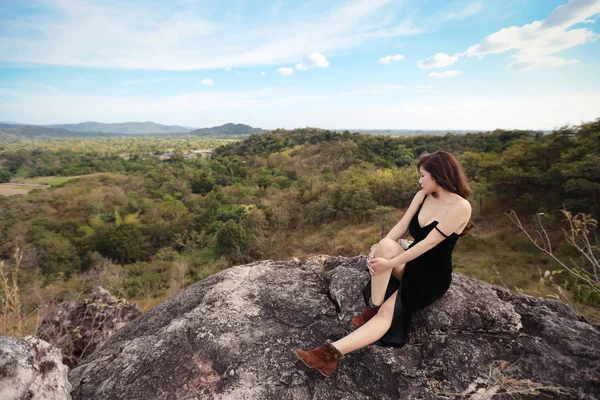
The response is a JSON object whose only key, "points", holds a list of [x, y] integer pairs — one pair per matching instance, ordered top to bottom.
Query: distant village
{"points": [[187, 154]]}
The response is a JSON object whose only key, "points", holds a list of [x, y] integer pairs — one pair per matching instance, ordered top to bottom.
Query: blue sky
{"points": [[359, 64]]}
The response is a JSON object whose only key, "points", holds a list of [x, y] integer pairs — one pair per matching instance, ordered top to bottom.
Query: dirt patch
{"points": [[13, 189]]}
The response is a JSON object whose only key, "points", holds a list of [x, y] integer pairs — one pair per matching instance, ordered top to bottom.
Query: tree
{"points": [[403, 156], [4, 175], [203, 183], [124, 242], [232, 242], [59, 255]]}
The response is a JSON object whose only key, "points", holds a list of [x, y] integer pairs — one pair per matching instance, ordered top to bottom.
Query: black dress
{"points": [[425, 279]]}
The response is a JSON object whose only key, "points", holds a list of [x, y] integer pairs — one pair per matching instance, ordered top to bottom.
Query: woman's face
{"points": [[428, 184]]}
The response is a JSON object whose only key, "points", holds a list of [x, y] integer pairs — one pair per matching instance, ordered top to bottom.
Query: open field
{"points": [[49, 180], [24, 186], [13, 189]]}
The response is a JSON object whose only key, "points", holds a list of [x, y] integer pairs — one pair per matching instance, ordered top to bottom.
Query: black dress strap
{"points": [[438, 229]]}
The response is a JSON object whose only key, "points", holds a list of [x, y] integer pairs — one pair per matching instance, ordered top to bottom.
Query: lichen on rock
{"points": [[30, 368]]}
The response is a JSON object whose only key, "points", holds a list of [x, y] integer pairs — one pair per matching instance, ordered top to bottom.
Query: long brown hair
{"points": [[448, 173]]}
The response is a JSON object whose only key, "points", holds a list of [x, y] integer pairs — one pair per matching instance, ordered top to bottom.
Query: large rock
{"points": [[78, 328], [232, 336], [31, 369]]}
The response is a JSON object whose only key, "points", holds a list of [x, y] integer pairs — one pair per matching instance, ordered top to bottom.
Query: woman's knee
{"points": [[387, 245]]}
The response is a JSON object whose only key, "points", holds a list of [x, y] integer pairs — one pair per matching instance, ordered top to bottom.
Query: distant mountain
{"points": [[9, 123], [126, 128], [88, 129], [227, 129], [34, 130]]}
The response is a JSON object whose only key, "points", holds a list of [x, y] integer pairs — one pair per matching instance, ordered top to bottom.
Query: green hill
{"points": [[127, 128], [227, 129], [33, 130]]}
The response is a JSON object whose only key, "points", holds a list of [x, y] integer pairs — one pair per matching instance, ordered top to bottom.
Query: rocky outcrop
{"points": [[78, 328], [232, 336], [31, 369]]}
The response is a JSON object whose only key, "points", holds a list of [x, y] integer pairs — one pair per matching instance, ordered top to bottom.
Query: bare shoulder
{"points": [[420, 195], [416, 201], [463, 205]]}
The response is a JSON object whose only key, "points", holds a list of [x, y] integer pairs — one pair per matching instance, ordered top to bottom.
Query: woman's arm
{"points": [[448, 224], [402, 226]]}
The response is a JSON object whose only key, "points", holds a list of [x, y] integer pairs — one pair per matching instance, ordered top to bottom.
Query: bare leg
{"points": [[387, 248], [398, 271], [370, 332]]}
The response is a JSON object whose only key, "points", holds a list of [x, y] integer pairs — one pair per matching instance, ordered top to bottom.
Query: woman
{"points": [[403, 282]]}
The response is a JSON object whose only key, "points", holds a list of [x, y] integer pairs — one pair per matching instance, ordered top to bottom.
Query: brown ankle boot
{"points": [[366, 315], [323, 358]]}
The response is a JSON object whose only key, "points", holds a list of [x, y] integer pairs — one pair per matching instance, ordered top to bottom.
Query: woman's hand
{"points": [[378, 264]]}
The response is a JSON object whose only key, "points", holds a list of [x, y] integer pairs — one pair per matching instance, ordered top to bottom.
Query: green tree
{"points": [[4, 175], [203, 183], [354, 199], [124, 242], [232, 242], [59, 257]]}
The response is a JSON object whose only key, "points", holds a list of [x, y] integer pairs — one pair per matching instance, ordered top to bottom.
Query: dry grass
{"points": [[54, 180], [25, 185], [14, 189], [334, 239], [10, 301], [146, 304], [495, 382]]}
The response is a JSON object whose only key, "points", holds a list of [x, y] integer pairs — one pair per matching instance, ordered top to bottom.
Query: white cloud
{"points": [[355, 10], [470, 10], [571, 13], [405, 28], [160, 36], [531, 39], [535, 42], [389, 59], [315, 60], [437, 61], [524, 64], [285, 71], [263, 73], [445, 74], [208, 82], [393, 87], [386, 88], [359, 92]]}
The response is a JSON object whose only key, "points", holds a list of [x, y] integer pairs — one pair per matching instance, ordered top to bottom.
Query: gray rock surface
{"points": [[78, 328], [232, 336], [31, 369]]}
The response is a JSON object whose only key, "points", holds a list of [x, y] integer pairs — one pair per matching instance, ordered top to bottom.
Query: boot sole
{"points": [[303, 362]]}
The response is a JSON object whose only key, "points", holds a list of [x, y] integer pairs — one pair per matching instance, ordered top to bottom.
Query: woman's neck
{"points": [[445, 196]]}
